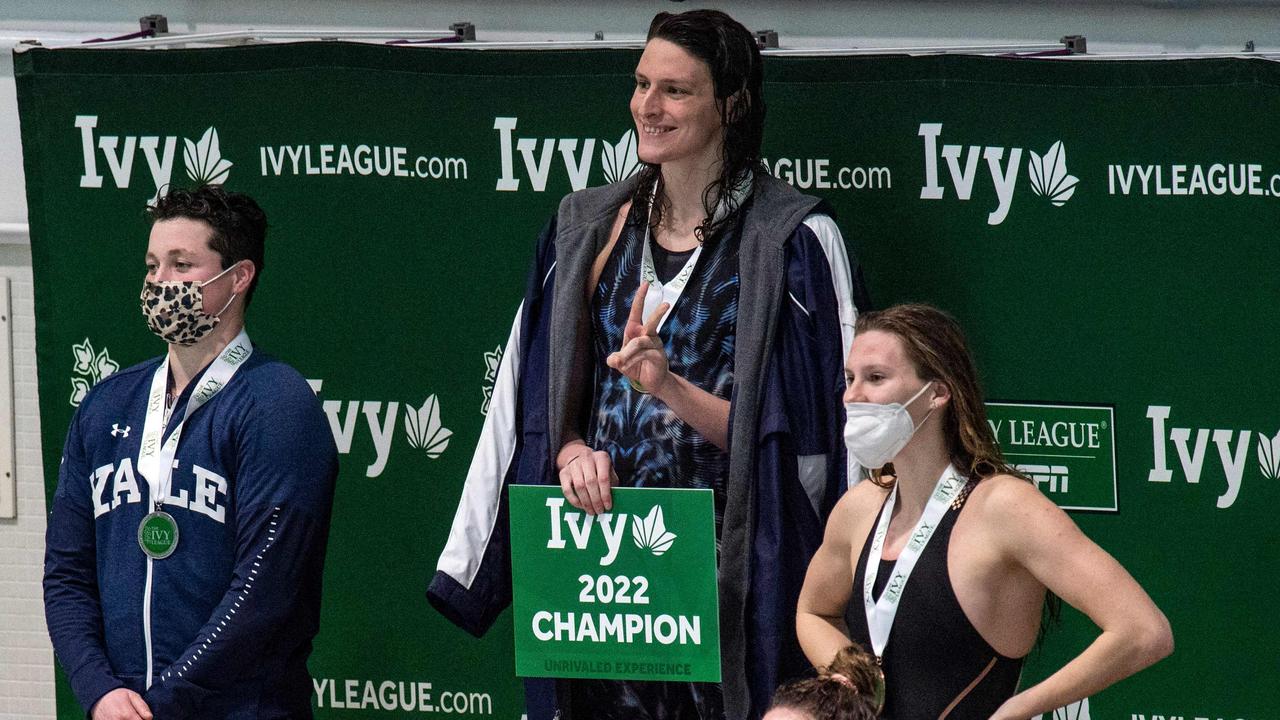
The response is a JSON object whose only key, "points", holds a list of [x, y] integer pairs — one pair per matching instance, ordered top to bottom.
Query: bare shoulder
{"points": [[1003, 494], [863, 497], [857, 507], [1014, 511]]}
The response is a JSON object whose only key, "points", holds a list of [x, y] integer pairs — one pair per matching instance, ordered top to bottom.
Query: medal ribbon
{"points": [[671, 291], [155, 458], [880, 614]]}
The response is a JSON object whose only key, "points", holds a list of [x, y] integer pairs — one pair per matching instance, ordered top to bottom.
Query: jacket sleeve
{"points": [[800, 459], [286, 468], [472, 582], [71, 605]]}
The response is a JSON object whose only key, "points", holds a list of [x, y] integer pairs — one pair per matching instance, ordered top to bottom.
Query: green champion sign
{"points": [[1067, 450], [629, 594]]}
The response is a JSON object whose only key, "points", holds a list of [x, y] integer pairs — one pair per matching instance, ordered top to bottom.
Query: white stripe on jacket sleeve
{"points": [[829, 238], [473, 524]]}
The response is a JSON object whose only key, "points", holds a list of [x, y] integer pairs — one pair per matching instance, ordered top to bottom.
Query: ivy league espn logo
{"points": [[123, 154], [1046, 173], [1067, 450]]}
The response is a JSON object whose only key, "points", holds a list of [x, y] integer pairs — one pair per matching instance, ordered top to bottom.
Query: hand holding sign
{"points": [[642, 358], [586, 481]]}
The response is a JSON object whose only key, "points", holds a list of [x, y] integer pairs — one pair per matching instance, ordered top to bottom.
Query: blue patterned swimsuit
{"points": [[648, 444]]}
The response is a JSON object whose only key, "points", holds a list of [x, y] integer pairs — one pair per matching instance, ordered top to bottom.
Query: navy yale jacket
{"points": [[223, 627]]}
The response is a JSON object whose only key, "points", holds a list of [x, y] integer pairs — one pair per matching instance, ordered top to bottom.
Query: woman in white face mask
{"points": [[944, 560]]}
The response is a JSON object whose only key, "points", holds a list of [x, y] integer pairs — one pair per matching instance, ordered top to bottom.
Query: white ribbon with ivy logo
{"points": [[158, 531], [881, 613]]}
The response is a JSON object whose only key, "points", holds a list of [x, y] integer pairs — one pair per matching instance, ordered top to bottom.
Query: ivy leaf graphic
{"points": [[204, 160], [619, 161], [1049, 176], [84, 357], [491, 362], [103, 365], [79, 388], [422, 426], [1269, 455], [651, 533], [1075, 711]]}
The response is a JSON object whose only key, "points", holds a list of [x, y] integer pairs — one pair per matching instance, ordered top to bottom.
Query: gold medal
{"points": [[877, 692]]}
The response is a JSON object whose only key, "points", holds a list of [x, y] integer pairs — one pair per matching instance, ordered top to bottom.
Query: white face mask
{"points": [[875, 433]]}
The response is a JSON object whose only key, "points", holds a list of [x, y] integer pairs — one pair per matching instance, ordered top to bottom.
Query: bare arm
{"points": [[643, 360], [708, 414], [1037, 535]]}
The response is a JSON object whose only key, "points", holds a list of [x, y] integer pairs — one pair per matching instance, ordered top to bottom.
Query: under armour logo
{"points": [[116, 431]]}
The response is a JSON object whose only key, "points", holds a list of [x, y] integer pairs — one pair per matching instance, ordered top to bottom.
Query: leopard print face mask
{"points": [[175, 309]]}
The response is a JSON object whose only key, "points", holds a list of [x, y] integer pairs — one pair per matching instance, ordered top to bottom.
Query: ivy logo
{"points": [[119, 156], [620, 161], [533, 162], [205, 164], [959, 168], [1049, 176], [236, 354], [491, 362], [90, 368], [208, 390], [375, 422], [423, 428], [1192, 455], [1269, 455], [651, 533], [1078, 710]]}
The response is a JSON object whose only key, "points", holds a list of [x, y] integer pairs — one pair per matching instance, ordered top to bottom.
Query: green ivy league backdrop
{"points": [[390, 290]]}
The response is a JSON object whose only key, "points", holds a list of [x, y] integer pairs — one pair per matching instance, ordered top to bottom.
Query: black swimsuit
{"points": [[936, 664]]}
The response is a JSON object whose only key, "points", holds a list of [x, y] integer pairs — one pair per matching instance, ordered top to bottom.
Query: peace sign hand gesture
{"points": [[642, 358]]}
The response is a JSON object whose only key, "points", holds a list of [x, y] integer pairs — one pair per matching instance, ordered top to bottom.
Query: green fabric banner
{"points": [[1105, 231]]}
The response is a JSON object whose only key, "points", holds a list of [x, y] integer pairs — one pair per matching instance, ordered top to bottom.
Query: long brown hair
{"points": [[937, 349]]}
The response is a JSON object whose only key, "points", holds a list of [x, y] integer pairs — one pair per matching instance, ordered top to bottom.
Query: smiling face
{"points": [[674, 107]]}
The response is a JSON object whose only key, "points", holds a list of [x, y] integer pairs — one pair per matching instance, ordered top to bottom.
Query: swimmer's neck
{"points": [[918, 468]]}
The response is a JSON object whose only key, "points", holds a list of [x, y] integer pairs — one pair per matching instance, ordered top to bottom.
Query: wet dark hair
{"points": [[737, 75], [239, 224], [844, 690]]}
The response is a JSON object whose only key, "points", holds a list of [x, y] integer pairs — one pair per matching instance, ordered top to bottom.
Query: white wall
{"points": [[26, 661], [26, 670]]}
